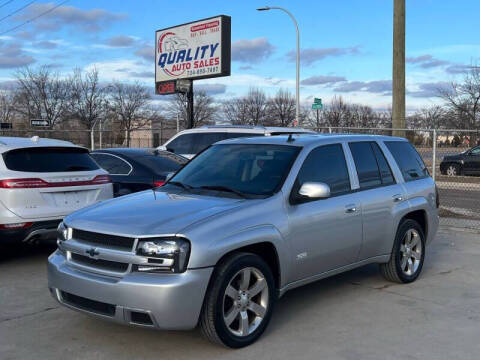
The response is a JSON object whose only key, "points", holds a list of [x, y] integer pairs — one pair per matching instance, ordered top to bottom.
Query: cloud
{"points": [[86, 20], [25, 35], [120, 41], [46, 44], [251, 51], [146, 52], [312, 55], [12, 56], [426, 61], [246, 67], [458, 69], [137, 74], [322, 79], [383, 87], [211, 89], [426, 90]]}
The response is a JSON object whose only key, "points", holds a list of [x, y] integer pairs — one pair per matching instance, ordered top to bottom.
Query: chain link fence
{"points": [[458, 183]]}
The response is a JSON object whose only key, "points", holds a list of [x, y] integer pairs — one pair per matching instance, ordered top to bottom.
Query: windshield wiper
{"points": [[180, 184], [224, 188]]}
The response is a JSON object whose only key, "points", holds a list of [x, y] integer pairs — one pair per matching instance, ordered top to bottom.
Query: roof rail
{"points": [[232, 126]]}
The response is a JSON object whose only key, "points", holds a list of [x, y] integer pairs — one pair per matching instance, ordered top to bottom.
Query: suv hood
{"points": [[150, 213]]}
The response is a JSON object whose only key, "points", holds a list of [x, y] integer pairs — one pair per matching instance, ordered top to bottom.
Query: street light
{"points": [[265, 8]]}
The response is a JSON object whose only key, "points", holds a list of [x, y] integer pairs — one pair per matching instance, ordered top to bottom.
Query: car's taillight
{"points": [[101, 179], [22, 183], [39, 183], [158, 183], [15, 226]]}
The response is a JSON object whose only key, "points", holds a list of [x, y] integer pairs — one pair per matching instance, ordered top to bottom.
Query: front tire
{"points": [[408, 254], [239, 302]]}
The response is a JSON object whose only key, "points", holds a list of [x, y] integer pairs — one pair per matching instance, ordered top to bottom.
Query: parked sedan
{"points": [[465, 163], [133, 169]]}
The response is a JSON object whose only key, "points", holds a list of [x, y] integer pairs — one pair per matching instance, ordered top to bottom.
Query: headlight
{"points": [[164, 254]]}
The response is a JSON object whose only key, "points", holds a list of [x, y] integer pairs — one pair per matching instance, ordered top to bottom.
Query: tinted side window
{"points": [[204, 140], [182, 144], [475, 151], [47, 160], [408, 160], [164, 163], [112, 164], [326, 164], [366, 164], [385, 171]]}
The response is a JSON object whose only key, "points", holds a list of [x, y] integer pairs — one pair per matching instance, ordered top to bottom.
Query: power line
{"points": [[6, 3], [16, 11], [33, 18]]}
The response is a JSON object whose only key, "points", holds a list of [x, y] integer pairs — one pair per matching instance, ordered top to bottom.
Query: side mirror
{"points": [[169, 176], [314, 190]]}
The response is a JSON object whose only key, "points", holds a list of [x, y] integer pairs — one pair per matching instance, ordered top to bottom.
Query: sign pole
{"points": [[190, 107]]}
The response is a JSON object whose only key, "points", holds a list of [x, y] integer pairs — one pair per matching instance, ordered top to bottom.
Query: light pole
{"points": [[297, 113]]}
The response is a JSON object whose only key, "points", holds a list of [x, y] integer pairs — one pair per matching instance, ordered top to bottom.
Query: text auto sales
{"points": [[182, 59]]}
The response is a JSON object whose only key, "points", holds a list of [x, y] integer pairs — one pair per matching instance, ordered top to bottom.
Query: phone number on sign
{"points": [[202, 71]]}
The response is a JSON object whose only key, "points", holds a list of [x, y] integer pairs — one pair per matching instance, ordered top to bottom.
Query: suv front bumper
{"points": [[163, 301]]}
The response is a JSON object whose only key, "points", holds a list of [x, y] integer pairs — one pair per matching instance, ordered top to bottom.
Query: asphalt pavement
{"points": [[352, 316]]}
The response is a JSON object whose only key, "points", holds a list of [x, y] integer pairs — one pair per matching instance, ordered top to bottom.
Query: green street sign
{"points": [[317, 101], [317, 106]]}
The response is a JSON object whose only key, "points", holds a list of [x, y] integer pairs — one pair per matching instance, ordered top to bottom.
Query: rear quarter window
{"points": [[49, 159], [408, 160]]}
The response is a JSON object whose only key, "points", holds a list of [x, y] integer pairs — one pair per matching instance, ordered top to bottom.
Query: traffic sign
{"points": [[317, 100], [317, 106], [39, 122]]}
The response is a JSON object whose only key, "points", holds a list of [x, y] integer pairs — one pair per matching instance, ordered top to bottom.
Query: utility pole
{"points": [[398, 73]]}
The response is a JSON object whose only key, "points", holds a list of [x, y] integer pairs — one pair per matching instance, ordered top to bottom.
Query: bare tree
{"points": [[41, 94], [463, 99], [87, 101], [129, 104], [6, 106], [256, 106], [204, 108], [281, 109], [235, 111], [337, 112]]}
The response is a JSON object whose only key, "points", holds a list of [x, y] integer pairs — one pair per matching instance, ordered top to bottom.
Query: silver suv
{"points": [[242, 223]]}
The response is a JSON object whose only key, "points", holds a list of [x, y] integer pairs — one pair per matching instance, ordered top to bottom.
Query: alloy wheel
{"points": [[451, 170], [411, 252], [245, 301]]}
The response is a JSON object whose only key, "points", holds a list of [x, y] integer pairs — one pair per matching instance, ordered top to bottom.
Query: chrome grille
{"points": [[105, 240], [99, 263]]}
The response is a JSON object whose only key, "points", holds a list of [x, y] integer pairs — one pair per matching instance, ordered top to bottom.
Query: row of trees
{"points": [[80, 101], [76, 102]]}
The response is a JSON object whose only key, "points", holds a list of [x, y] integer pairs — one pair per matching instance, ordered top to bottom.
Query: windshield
{"points": [[249, 169]]}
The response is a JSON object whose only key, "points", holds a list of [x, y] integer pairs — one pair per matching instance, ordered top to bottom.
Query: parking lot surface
{"points": [[356, 315]]}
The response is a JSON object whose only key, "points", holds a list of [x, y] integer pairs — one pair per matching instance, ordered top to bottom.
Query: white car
{"points": [[190, 142], [42, 181]]}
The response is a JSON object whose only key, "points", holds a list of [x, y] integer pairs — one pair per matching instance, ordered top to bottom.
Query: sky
{"points": [[346, 46]]}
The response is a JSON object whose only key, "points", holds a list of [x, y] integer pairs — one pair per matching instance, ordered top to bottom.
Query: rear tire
{"points": [[453, 170], [408, 254], [239, 302]]}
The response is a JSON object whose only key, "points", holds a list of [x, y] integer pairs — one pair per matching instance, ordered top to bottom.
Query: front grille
{"points": [[91, 238], [99, 264], [88, 304], [140, 318]]}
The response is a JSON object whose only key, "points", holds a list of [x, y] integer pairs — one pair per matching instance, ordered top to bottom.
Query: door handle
{"points": [[397, 198], [350, 208]]}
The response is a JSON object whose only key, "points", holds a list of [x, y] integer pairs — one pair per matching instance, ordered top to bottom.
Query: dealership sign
{"points": [[196, 50]]}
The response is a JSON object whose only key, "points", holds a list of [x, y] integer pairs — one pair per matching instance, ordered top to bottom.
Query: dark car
{"points": [[465, 163], [134, 169]]}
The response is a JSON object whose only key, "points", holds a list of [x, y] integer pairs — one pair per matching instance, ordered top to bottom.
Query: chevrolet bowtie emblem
{"points": [[92, 252]]}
